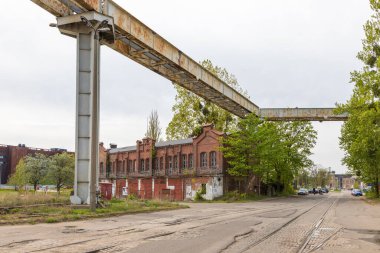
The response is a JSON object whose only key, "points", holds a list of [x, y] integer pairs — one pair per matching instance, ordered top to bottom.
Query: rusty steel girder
{"points": [[140, 43]]}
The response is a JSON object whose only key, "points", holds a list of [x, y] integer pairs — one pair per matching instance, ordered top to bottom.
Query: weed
{"points": [[51, 220]]}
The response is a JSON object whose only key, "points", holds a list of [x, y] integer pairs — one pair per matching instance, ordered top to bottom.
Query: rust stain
{"points": [[90, 4]]}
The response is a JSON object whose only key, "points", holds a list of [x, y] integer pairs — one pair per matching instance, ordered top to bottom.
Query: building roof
{"points": [[174, 142], [158, 145], [124, 149]]}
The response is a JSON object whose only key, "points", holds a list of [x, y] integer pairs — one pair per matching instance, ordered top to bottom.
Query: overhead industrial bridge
{"points": [[103, 22], [138, 42]]}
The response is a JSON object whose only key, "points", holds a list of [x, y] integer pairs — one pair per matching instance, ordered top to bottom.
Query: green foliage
{"points": [[192, 111], [360, 135], [276, 152], [36, 168], [61, 170], [319, 177], [19, 178], [198, 196], [234, 196], [132, 197]]}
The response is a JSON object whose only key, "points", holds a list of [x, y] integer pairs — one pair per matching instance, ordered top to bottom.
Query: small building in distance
{"points": [[11, 155], [173, 170], [342, 181]]}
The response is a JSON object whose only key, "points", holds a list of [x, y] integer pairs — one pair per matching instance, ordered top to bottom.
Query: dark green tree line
{"points": [[360, 135], [274, 152]]}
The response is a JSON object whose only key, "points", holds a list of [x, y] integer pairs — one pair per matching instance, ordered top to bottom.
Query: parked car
{"points": [[325, 190], [303, 191], [356, 192]]}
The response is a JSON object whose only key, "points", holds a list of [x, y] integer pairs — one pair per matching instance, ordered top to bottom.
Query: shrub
{"points": [[198, 196], [132, 197]]}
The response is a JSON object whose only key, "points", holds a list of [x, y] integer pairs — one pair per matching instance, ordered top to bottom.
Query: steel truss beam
{"points": [[143, 45], [301, 114]]}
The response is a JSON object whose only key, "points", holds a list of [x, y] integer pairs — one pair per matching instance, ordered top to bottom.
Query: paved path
{"points": [[334, 222]]}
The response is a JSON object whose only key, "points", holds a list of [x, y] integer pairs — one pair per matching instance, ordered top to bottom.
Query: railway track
{"points": [[302, 247]]}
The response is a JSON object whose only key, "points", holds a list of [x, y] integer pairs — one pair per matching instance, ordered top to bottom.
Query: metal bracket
{"points": [[86, 23]]}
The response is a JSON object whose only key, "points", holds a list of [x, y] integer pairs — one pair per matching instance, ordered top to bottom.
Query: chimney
{"points": [[113, 145]]}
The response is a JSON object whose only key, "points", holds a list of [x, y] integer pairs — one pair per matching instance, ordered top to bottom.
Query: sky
{"points": [[293, 53]]}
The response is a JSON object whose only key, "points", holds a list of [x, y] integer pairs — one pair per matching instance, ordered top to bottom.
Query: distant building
{"points": [[11, 155], [173, 170], [342, 181]]}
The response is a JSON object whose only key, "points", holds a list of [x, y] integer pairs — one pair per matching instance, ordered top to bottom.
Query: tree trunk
{"points": [[251, 180], [259, 186], [377, 186], [35, 187], [58, 189]]}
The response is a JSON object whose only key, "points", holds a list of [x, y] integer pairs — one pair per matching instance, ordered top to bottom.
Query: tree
{"points": [[192, 111], [153, 126], [360, 134], [275, 152], [36, 168], [61, 170], [19, 179]]}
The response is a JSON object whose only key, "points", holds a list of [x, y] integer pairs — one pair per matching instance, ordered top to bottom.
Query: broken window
{"points": [[203, 159], [213, 159], [184, 161], [175, 162], [161, 163], [142, 165], [170, 165], [203, 189]]}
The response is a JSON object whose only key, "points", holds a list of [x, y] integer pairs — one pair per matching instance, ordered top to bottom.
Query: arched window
{"points": [[203, 159], [212, 159], [184, 161], [190, 161], [170, 162], [175, 162], [161, 163], [147, 164], [156, 164], [142, 165], [101, 168], [130, 168]]}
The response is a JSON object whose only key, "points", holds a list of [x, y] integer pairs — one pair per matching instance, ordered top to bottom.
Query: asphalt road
{"points": [[334, 222]]}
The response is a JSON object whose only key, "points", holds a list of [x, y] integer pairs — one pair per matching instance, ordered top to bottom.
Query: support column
{"points": [[87, 120]]}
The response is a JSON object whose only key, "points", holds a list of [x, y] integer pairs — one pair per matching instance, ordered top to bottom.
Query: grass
{"points": [[232, 197], [370, 197], [11, 198], [53, 214]]}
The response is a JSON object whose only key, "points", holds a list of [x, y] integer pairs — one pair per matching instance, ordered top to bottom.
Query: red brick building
{"points": [[11, 155], [173, 170]]}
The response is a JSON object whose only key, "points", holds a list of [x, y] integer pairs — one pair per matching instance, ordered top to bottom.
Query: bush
{"points": [[198, 196], [234, 196], [132, 197]]}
